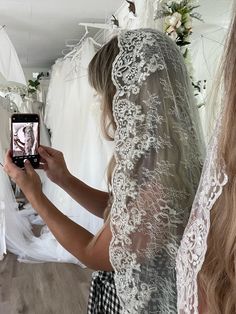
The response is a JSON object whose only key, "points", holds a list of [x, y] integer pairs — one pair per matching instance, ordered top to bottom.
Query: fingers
{"points": [[49, 150], [44, 154], [8, 156], [42, 160], [9, 165], [43, 165], [28, 167], [10, 168]]}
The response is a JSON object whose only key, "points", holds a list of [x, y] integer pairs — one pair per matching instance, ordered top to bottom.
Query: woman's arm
{"points": [[95, 201], [91, 250]]}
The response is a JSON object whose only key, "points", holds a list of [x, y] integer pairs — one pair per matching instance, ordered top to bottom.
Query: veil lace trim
{"points": [[155, 117], [193, 246]]}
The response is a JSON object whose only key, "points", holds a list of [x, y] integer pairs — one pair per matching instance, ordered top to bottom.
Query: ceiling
{"points": [[39, 28]]}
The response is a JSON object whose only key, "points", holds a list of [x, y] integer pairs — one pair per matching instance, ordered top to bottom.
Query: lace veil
{"points": [[158, 152], [214, 178], [191, 253]]}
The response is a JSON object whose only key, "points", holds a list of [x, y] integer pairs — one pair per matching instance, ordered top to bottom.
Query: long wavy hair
{"points": [[100, 78], [217, 277]]}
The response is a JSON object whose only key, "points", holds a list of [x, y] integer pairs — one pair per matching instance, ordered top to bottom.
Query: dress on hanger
{"points": [[10, 67], [73, 116]]}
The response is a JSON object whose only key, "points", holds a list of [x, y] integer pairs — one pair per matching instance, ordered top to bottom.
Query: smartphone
{"points": [[25, 136]]}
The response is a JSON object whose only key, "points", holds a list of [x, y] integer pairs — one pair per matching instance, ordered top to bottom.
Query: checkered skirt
{"points": [[103, 298]]}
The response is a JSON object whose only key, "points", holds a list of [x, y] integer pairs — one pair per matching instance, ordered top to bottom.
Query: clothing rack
{"points": [[96, 25], [74, 48]]}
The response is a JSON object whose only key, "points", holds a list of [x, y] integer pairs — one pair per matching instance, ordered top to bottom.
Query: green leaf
{"points": [[185, 43], [185, 53]]}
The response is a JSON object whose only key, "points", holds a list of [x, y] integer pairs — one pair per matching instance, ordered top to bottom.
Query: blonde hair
{"points": [[100, 78], [217, 277]]}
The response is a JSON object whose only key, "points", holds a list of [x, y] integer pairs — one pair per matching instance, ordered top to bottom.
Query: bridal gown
{"points": [[10, 67], [73, 117], [15, 226]]}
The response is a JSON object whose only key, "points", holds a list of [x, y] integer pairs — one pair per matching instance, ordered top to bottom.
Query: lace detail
{"points": [[155, 179], [193, 247]]}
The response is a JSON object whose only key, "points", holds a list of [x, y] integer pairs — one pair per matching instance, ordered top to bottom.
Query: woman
{"points": [[148, 109], [206, 258]]}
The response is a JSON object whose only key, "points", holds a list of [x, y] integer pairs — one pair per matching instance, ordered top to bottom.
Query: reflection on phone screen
{"points": [[25, 138]]}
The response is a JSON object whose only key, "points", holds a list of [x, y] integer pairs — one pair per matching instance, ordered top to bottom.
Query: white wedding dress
{"points": [[10, 67], [73, 116], [76, 132], [15, 226]]}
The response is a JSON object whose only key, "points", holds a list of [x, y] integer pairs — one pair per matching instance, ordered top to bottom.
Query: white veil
{"points": [[158, 151], [214, 178], [191, 253]]}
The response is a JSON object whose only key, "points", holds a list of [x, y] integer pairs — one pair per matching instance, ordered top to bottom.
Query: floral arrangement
{"points": [[178, 16], [34, 85]]}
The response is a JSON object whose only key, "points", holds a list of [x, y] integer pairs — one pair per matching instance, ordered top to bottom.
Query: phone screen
{"points": [[25, 139]]}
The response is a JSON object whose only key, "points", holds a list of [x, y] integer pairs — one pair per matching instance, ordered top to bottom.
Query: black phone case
{"points": [[25, 118]]}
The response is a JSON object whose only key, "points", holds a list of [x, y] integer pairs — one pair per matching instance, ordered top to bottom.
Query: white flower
{"points": [[175, 1], [175, 20], [188, 25], [170, 29], [173, 35]]}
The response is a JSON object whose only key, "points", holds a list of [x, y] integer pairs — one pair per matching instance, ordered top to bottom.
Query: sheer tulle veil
{"points": [[158, 152], [192, 251]]}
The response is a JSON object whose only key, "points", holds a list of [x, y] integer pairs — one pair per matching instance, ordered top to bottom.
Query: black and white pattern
{"points": [[103, 298]]}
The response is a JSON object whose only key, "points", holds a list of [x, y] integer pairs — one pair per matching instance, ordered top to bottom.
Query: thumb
{"points": [[43, 153], [28, 167]]}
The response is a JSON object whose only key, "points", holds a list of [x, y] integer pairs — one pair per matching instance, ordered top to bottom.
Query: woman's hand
{"points": [[54, 164], [27, 179]]}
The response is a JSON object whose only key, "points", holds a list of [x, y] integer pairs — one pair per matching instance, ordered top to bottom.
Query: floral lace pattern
{"points": [[158, 153], [193, 246]]}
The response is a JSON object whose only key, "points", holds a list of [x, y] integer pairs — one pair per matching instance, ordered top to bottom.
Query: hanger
{"points": [[132, 7], [115, 21], [96, 25], [76, 47]]}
